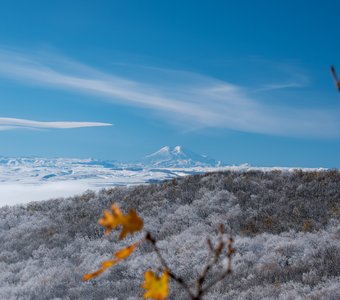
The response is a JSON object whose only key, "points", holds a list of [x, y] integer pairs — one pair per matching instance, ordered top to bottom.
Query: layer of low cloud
{"points": [[177, 96], [13, 123], [19, 193]]}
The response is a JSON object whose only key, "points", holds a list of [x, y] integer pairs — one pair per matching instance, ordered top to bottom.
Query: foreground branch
{"points": [[213, 259], [179, 280]]}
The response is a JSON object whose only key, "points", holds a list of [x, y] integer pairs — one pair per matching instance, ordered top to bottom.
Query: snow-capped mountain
{"points": [[178, 157], [24, 179]]}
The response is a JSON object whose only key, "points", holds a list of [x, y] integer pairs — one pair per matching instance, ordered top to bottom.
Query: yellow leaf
{"points": [[111, 220], [130, 222], [124, 253], [119, 255], [109, 263], [94, 274], [156, 287]]}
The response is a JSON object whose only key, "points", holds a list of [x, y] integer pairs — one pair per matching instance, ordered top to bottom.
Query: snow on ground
{"points": [[33, 179], [286, 227]]}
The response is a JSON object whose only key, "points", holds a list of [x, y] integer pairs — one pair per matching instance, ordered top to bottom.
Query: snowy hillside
{"points": [[286, 227]]}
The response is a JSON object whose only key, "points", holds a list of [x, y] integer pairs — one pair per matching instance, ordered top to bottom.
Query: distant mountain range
{"points": [[166, 157], [178, 157], [165, 163], [42, 178], [24, 179]]}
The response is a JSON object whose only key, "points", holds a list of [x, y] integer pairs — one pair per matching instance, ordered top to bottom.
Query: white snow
{"points": [[177, 149], [26, 179]]}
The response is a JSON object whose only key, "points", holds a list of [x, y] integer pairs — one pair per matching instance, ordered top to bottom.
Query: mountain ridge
{"points": [[180, 157]]}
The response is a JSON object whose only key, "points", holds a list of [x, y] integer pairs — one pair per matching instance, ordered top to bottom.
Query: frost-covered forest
{"points": [[286, 227]]}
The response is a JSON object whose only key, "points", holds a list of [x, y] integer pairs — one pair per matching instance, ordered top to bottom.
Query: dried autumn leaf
{"points": [[111, 220], [108, 221], [131, 222], [124, 253], [119, 255], [109, 263], [92, 275], [156, 287]]}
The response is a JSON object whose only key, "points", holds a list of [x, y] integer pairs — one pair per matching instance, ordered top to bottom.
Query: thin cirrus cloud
{"points": [[180, 97], [12, 123]]}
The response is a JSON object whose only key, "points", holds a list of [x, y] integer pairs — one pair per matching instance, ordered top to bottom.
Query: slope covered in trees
{"points": [[286, 227]]}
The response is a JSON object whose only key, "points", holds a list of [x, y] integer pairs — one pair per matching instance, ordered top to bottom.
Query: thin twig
{"points": [[216, 252], [206, 269], [228, 271], [179, 280], [217, 280]]}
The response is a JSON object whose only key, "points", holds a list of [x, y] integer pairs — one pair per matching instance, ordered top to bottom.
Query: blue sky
{"points": [[241, 81]]}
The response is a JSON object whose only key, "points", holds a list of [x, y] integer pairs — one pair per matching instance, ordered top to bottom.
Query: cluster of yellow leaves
{"points": [[131, 222], [156, 287]]}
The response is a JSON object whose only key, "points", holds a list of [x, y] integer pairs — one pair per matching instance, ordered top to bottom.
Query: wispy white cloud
{"points": [[288, 75], [279, 86], [178, 96], [12, 123]]}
